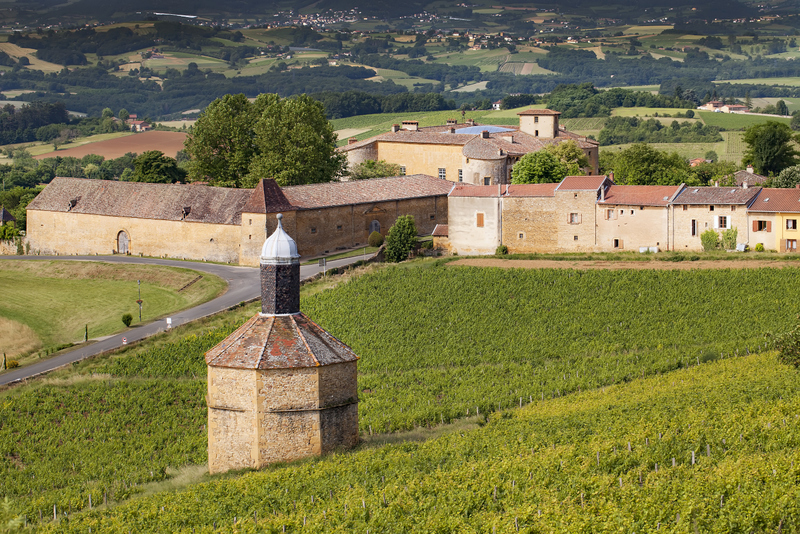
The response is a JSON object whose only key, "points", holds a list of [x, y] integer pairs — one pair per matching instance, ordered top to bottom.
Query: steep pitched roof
{"points": [[750, 177], [583, 183], [640, 195], [716, 195], [314, 196], [267, 197], [773, 200], [213, 205], [5, 216], [279, 342]]}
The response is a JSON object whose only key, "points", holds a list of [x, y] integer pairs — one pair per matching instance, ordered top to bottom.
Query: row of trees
{"points": [[621, 130]]}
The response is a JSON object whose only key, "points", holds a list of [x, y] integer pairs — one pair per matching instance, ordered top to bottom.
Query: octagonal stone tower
{"points": [[280, 387]]}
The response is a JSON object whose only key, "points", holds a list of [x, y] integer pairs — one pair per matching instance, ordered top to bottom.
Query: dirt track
{"points": [[167, 142], [618, 265]]}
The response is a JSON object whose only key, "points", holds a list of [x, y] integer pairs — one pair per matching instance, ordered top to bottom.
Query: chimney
{"points": [[452, 122], [471, 122], [411, 125], [395, 128], [452, 130], [485, 134], [509, 138], [352, 140], [750, 169], [611, 176], [716, 184], [744, 185], [797, 186], [603, 193], [280, 274]]}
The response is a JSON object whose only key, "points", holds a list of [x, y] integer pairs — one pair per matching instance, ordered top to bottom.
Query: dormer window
{"points": [[185, 211]]}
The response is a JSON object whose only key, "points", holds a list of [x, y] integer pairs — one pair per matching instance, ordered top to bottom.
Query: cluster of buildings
{"points": [[455, 182]]}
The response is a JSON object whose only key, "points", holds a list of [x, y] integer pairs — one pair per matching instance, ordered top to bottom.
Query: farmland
{"points": [[167, 142], [94, 294], [430, 365]]}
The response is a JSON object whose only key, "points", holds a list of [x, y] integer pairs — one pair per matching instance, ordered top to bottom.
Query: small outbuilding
{"points": [[280, 387]]}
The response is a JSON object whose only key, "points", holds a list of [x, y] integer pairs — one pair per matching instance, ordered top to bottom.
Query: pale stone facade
{"points": [[79, 216], [280, 388]]}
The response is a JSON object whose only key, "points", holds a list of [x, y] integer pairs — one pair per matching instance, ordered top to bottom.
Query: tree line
{"points": [[621, 130]]}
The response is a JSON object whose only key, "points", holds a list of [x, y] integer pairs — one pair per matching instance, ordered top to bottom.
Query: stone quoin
{"points": [[280, 387]]}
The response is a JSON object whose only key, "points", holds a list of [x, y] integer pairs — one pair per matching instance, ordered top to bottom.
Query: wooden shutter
{"points": [[580, 218], [479, 220], [716, 221], [755, 226], [769, 226], [620, 244]]}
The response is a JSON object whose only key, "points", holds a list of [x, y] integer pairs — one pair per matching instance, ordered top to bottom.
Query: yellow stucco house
{"points": [[773, 219]]}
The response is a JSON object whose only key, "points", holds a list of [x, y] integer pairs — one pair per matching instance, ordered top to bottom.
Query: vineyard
{"points": [[437, 344], [713, 448]]}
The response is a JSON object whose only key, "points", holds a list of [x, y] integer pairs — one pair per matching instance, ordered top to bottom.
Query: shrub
{"points": [[729, 237], [375, 239], [401, 239], [710, 240], [427, 245], [759, 247], [502, 250], [127, 319], [788, 346], [12, 364]]}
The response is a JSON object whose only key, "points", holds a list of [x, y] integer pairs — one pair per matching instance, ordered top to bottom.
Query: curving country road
{"points": [[243, 285]]}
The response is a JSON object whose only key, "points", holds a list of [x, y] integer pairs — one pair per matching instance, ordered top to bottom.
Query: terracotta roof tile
{"points": [[485, 149], [750, 177], [582, 183], [480, 191], [640, 195], [716, 195], [316, 196], [267, 197], [772, 200], [213, 205], [440, 230], [279, 342]]}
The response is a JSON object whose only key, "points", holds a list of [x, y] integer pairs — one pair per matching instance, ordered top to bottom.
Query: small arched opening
{"points": [[374, 226], [123, 242]]}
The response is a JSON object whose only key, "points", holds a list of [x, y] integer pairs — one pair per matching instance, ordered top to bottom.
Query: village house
{"points": [[468, 152], [696, 209], [6, 217], [773, 219], [199, 222]]}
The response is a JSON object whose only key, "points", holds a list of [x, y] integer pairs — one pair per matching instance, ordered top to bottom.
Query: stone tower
{"points": [[280, 387]]}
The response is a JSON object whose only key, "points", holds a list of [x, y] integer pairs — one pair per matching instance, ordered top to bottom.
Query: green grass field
{"points": [[792, 82], [736, 121], [74, 294]]}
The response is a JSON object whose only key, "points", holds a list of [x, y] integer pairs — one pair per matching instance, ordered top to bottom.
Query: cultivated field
{"points": [[35, 64], [170, 143], [49, 303], [654, 409]]}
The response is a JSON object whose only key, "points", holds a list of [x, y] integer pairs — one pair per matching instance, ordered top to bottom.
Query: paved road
{"points": [[243, 285]]}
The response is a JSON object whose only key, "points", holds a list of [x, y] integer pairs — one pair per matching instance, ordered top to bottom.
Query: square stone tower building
{"points": [[280, 387]]}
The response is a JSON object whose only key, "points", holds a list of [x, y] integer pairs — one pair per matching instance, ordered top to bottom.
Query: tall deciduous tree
{"points": [[235, 143], [770, 148], [571, 155], [641, 164], [154, 167], [540, 167], [789, 177], [401, 238]]}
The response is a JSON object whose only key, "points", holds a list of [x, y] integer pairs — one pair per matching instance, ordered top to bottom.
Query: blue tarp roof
{"points": [[479, 129]]}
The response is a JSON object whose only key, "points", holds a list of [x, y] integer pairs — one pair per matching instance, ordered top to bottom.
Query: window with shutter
{"points": [[479, 220], [769, 226]]}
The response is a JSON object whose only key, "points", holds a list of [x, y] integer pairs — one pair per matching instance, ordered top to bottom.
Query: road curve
{"points": [[243, 285]]}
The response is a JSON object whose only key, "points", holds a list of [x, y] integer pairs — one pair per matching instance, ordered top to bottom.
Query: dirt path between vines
{"points": [[618, 265]]}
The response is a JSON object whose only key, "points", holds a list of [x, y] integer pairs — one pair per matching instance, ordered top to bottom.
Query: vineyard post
{"points": [[708, 450]]}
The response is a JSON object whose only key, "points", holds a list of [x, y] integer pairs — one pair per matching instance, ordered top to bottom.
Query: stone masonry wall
{"points": [[529, 224], [632, 227], [52, 232], [338, 384], [231, 419], [339, 427]]}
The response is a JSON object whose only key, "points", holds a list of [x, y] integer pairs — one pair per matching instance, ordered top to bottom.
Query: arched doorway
{"points": [[374, 226], [123, 242]]}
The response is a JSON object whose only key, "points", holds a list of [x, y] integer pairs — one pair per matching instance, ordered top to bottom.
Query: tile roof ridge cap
{"points": [[303, 339], [264, 348]]}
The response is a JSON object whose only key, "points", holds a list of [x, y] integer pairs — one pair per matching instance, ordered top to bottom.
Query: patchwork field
{"points": [[17, 52], [170, 143], [87, 293], [661, 409]]}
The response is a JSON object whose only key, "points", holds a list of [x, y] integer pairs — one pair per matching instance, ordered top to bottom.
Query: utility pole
{"points": [[139, 302]]}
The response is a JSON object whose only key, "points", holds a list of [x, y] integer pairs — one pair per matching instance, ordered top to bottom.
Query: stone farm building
{"points": [[468, 153], [593, 214], [81, 216]]}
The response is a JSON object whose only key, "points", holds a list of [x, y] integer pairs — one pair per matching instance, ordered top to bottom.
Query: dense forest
{"points": [[621, 130]]}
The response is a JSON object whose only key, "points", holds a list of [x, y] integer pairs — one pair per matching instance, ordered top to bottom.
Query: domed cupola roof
{"points": [[279, 247]]}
